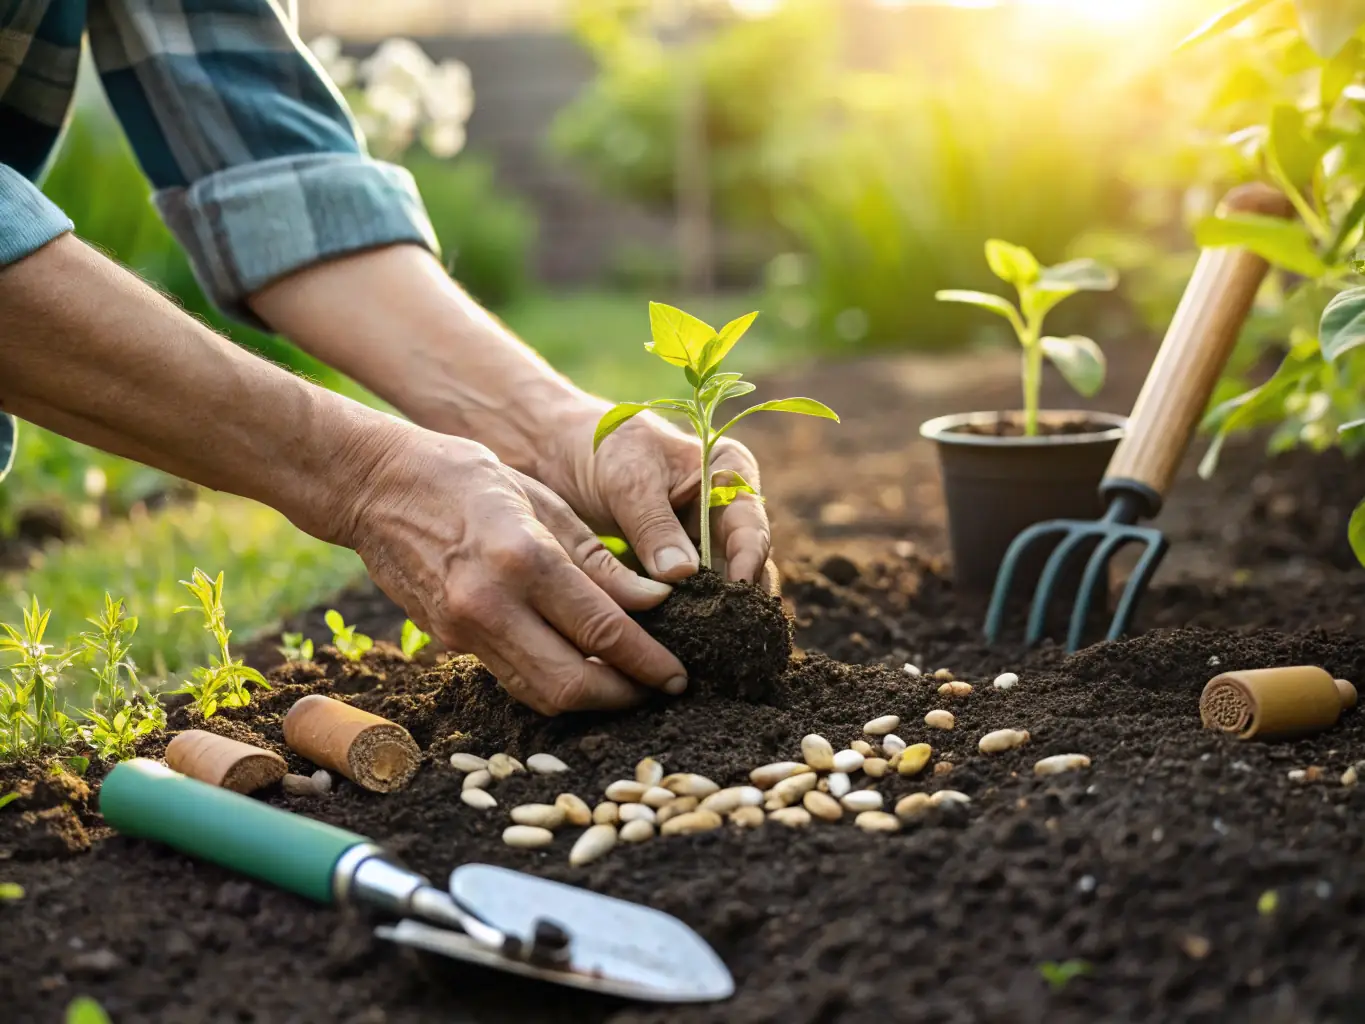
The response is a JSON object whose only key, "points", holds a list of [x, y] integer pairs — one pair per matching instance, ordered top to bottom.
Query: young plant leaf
{"points": [[1224, 20], [1328, 25], [1339, 72], [1294, 152], [1347, 224], [1285, 243], [1012, 263], [1083, 275], [984, 300], [1343, 324], [678, 337], [719, 347], [1079, 360], [804, 406], [613, 418], [724, 494], [1355, 532], [618, 546], [334, 621], [412, 639], [78, 764], [8, 798], [11, 891], [84, 1010]]}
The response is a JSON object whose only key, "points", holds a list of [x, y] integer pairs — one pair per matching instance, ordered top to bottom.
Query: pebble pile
{"points": [[825, 784]]}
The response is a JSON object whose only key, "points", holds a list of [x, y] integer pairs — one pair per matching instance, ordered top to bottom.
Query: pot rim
{"points": [[947, 429]]}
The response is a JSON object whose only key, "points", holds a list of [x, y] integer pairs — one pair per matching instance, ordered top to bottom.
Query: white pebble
{"points": [[911, 670], [1005, 680], [940, 719], [882, 726], [1001, 740], [892, 745], [863, 747], [818, 752], [848, 761], [467, 762], [1058, 763], [546, 764], [500, 766], [649, 772], [770, 775], [1350, 776], [477, 779], [322, 781], [687, 784], [839, 784], [299, 785], [791, 790], [626, 791], [657, 796], [949, 796], [479, 799], [862, 800], [723, 801], [913, 805], [823, 806], [637, 812], [540, 815], [877, 821], [636, 831], [527, 837], [593, 843]]}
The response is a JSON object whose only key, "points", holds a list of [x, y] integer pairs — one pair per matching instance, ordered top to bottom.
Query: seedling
{"points": [[1040, 288], [684, 341], [412, 639], [349, 644], [295, 648], [223, 682], [29, 715], [121, 715], [76, 764], [7, 798], [11, 891], [1267, 903], [1059, 975], [84, 1010]]}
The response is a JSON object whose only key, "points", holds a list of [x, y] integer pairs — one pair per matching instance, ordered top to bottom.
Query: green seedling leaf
{"points": [[1224, 20], [1328, 25], [1339, 72], [1293, 151], [1345, 227], [1285, 243], [1358, 257], [1012, 263], [1083, 275], [984, 300], [1343, 324], [678, 337], [719, 347], [1079, 360], [804, 406], [1259, 406], [613, 418], [724, 494], [1355, 532], [618, 546], [334, 621], [412, 639], [77, 764], [7, 798], [11, 891], [1269, 901], [1059, 975], [84, 1010]]}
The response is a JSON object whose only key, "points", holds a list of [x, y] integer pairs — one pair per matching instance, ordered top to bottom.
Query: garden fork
{"points": [[1173, 397]]}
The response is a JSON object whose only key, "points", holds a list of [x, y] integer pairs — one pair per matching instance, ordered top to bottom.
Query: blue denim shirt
{"points": [[257, 165]]}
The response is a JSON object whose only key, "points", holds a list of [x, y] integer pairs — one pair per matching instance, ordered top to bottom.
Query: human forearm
{"points": [[392, 319], [93, 353]]}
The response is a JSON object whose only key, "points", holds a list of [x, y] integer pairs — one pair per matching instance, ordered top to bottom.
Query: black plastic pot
{"points": [[997, 484]]}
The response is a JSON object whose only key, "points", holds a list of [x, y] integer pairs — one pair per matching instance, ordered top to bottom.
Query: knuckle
{"points": [[656, 517], [515, 556], [601, 630], [569, 690]]}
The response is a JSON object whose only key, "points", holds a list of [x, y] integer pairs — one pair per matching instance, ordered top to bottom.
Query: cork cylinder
{"points": [[1275, 703], [370, 751], [224, 762]]}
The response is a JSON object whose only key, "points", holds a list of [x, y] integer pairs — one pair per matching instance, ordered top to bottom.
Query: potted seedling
{"points": [[1006, 470], [745, 639]]}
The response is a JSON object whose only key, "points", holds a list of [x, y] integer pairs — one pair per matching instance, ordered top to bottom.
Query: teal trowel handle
{"points": [[146, 799]]}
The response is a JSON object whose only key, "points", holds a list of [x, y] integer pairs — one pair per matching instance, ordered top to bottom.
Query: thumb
{"points": [[655, 533]]}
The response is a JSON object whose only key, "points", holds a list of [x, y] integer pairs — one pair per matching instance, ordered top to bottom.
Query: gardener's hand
{"points": [[643, 483], [493, 564]]}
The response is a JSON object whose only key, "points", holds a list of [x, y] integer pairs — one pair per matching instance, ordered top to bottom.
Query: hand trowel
{"points": [[491, 916]]}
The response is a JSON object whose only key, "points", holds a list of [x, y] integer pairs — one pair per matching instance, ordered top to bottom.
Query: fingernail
{"points": [[670, 558], [653, 587], [676, 685]]}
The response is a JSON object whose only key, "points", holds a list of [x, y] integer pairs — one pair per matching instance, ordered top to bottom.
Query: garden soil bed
{"points": [[1151, 867]]}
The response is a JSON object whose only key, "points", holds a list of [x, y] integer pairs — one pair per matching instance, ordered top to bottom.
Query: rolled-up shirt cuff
{"points": [[28, 219], [255, 223], [9, 435]]}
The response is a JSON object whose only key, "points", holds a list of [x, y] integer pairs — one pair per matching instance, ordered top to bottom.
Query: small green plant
{"points": [[1040, 289], [698, 348], [412, 639], [349, 644], [295, 648], [223, 682], [121, 715], [30, 717], [76, 764], [7, 798], [11, 891], [1267, 903], [1060, 974], [84, 1010]]}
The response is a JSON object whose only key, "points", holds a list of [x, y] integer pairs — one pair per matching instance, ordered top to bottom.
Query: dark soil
{"points": [[1013, 426], [1152, 867]]}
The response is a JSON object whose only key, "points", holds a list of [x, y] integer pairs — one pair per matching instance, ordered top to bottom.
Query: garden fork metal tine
{"points": [[1191, 359]]}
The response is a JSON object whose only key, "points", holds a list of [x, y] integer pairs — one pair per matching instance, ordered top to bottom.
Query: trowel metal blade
{"points": [[625, 948]]}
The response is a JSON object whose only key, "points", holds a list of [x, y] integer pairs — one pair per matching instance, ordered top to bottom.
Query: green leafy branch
{"points": [[1040, 289], [696, 347], [223, 682], [122, 713], [30, 716]]}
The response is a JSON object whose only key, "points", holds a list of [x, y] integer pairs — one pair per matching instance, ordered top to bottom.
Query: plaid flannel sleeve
{"points": [[258, 167]]}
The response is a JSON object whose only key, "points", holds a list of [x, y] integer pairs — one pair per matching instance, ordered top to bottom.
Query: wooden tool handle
{"points": [[1192, 356]]}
